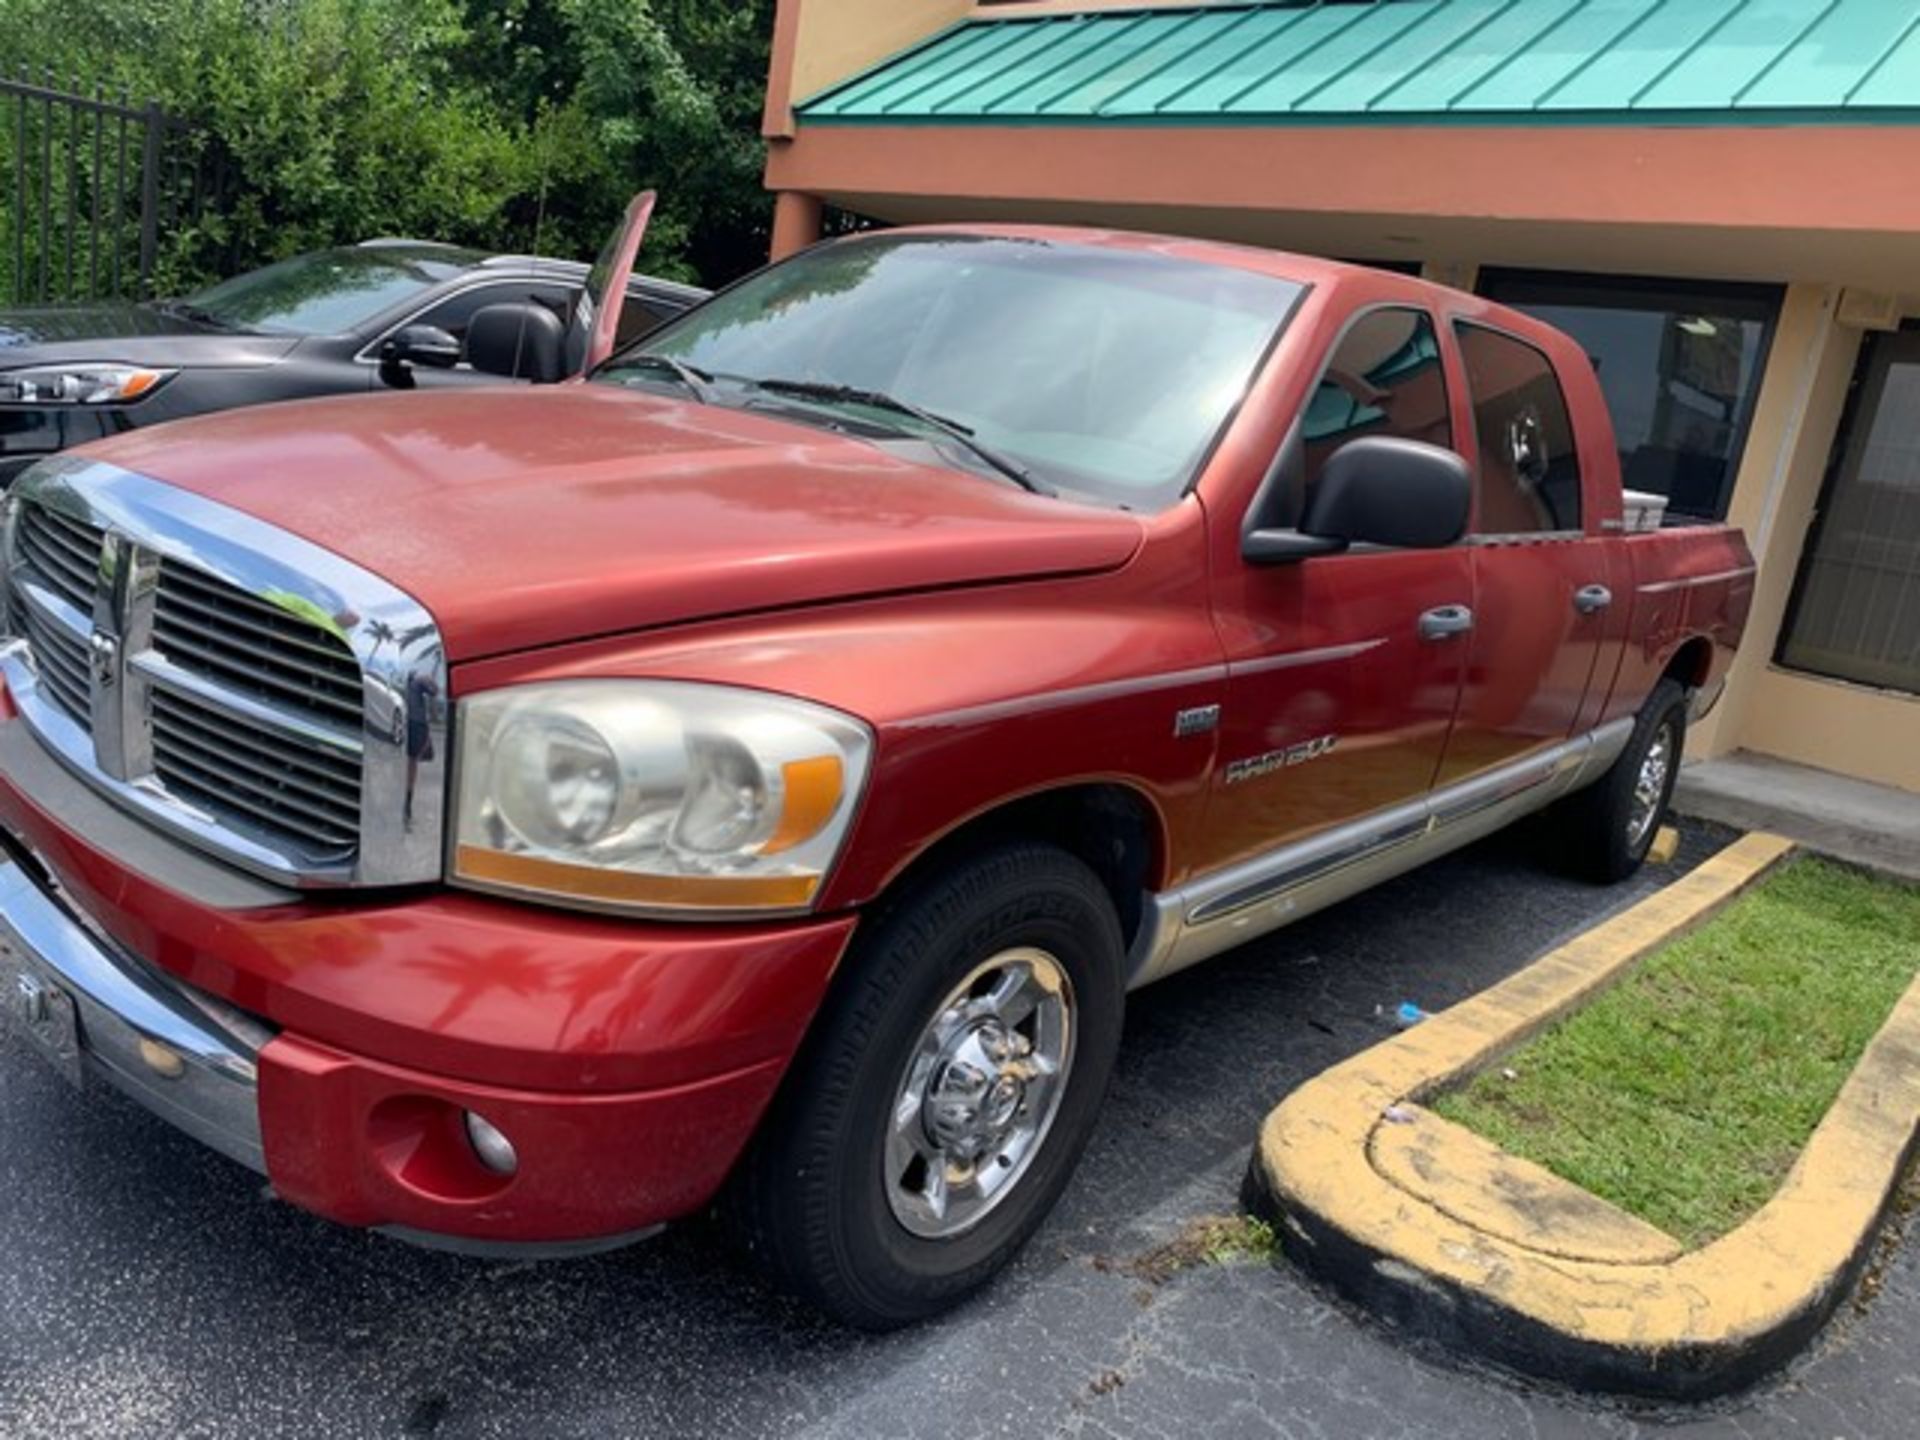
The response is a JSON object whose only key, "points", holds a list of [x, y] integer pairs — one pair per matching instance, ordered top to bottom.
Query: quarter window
{"points": [[1385, 378], [1528, 478]]}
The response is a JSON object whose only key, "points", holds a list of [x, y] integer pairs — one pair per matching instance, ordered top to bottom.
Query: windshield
{"points": [[330, 292], [1104, 371]]}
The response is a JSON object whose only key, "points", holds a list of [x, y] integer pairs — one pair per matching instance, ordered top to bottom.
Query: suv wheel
{"points": [[1609, 827], [939, 1108]]}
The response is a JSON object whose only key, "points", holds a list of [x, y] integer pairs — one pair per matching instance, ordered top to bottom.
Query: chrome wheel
{"points": [[1650, 785], [980, 1093]]}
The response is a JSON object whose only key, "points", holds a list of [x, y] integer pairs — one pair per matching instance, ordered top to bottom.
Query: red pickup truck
{"points": [[758, 772]]}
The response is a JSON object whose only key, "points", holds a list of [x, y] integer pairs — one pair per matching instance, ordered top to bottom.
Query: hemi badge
{"points": [[1197, 721]]}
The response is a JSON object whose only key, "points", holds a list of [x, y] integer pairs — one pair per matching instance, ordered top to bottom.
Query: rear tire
{"points": [[1608, 828], [939, 1107]]}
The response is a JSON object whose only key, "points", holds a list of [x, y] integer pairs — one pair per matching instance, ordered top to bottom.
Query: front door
{"points": [[1548, 601], [1341, 688]]}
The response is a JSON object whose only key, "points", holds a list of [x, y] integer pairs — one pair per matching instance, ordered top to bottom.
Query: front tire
{"points": [[1609, 827], [939, 1108]]}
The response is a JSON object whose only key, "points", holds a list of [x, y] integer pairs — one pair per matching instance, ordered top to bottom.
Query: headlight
{"points": [[80, 384], [653, 795]]}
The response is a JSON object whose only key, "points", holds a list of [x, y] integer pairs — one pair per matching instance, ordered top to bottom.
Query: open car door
{"points": [[596, 314]]}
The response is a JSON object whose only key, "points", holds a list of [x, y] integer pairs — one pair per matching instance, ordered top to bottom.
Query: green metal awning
{"points": [[1409, 61]]}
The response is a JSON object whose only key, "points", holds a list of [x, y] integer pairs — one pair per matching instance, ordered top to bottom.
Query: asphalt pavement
{"points": [[150, 1288]]}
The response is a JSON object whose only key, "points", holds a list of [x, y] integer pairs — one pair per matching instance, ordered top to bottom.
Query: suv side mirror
{"points": [[417, 344], [427, 345], [1377, 490]]}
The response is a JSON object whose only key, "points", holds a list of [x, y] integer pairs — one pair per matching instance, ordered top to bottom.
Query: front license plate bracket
{"points": [[44, 1012]]}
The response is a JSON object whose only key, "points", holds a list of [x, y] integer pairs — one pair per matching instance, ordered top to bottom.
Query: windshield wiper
{"points": [[198, 314], [698, 382], [961, 435]]}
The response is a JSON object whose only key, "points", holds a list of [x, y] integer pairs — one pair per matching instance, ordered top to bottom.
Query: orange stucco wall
{"points": [[1832, 178]]}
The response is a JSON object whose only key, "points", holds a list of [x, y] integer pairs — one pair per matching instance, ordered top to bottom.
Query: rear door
{"points": [[1550, 597]]}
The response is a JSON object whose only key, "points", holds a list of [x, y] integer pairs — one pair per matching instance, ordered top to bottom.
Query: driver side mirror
{"points": [[427, 345], [1377, 490]]}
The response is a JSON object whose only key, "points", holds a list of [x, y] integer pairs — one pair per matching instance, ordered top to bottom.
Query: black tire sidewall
{"points": [[1667, 704], [1016, 895]]}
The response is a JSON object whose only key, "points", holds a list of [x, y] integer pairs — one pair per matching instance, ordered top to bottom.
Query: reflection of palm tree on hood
{"points": [[336, 626]]}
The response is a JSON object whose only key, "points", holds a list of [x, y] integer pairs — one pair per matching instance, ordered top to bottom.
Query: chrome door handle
{"points": [[1592, 599], [1445, 621]]}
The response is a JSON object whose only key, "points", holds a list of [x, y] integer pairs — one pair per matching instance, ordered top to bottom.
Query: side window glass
{"points": [[457, 311], [639, 316], [1385, 378], [1529, 475]]}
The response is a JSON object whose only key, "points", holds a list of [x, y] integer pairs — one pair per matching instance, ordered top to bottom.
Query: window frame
{"points": [[1519, 287], [514, 288], [1456, 322], [369, 353], [1852, 413], [1292, 449]]}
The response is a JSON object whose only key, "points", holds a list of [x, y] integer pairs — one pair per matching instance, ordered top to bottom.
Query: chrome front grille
{"points": [[64, 554], [203, 624], [61, 658], [260, 719], [276, 767], [302, 791]]}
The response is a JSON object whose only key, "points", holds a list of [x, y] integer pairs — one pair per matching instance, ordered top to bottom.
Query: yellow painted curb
{"points": [[1698, 1323]]}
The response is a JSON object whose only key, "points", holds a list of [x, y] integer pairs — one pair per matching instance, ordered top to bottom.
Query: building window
{"points": [[1680, 364], [1385, 378], [1528, 478], [1855, 613]]}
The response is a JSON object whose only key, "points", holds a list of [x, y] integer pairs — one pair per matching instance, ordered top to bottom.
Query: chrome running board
{"points": [[1240, 902]]}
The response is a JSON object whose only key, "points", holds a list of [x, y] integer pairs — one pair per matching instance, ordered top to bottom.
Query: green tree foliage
{"points": [[502, 123]]}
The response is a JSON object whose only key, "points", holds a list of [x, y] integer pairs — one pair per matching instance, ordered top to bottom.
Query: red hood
{"points": [[524, 517]]}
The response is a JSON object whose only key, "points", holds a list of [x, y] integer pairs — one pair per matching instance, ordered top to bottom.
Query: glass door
{"points": [[1856, 605]]}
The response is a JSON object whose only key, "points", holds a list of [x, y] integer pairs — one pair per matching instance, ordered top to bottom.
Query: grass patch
{"points": [[1685, 1092]]}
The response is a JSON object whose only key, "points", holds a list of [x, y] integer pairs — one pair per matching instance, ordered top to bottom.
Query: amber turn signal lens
{"points": [[139, 383], [813, 789], [627, 887]]}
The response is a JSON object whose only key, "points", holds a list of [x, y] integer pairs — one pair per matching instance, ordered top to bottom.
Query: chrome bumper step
{"points": [[94, 1010]]}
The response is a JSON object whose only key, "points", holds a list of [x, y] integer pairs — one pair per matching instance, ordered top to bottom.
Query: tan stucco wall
{"points": [[818, 43], [1794, 423], [1852, 729], [1872, 734]]}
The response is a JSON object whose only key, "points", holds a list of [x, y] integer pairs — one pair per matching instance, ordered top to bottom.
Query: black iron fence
{"points": [[100, 184]]}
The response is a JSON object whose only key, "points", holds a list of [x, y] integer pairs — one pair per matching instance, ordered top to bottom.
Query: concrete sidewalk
{"points": [[1849, 819]]}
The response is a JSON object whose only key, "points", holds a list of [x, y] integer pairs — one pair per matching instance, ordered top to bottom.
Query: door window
{"points": [[456, 312], [641, 315], [1679, 362], [1385, 378], [1528, 480], [1856, 608]]}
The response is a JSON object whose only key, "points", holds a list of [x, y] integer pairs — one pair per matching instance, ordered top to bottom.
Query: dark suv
{"points": [[388, 313]]}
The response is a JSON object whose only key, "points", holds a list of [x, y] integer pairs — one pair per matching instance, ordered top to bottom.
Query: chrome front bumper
{"points": [[94, 1010]]}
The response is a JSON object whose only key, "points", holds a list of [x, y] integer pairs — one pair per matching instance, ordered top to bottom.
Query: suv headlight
{"points": [[80, 384], [645, 795]]}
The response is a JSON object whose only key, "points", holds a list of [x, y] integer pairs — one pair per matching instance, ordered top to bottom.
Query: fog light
{"points": [[494, 1149]]}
